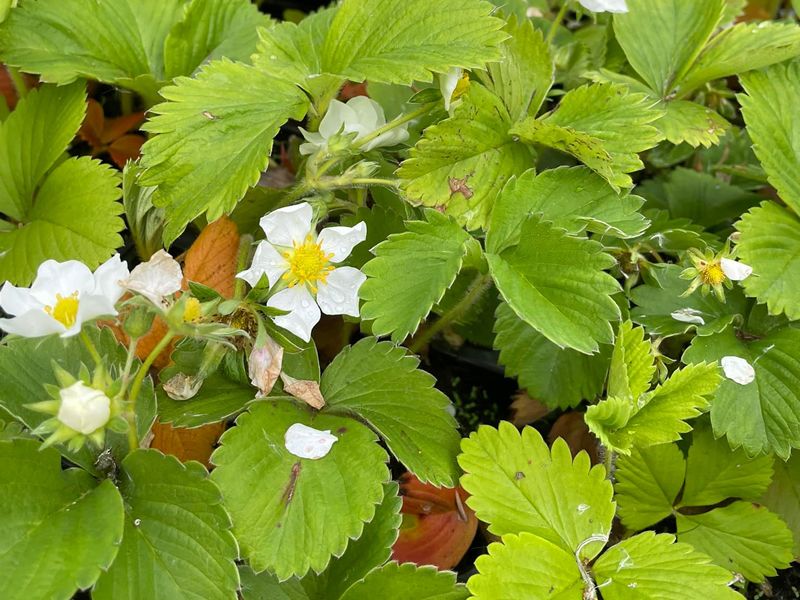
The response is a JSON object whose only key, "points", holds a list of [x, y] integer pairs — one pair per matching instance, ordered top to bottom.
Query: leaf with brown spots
{"points": [[212, 258]]}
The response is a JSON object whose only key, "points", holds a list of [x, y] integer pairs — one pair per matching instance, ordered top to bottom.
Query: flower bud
{"points": [[138, 322], [83, 409]]}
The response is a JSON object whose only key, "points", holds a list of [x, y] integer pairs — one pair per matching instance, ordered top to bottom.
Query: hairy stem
{"points": [[396, 122], [98, 360], [133, 439]]}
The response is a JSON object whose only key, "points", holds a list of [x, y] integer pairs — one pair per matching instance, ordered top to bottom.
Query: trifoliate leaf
{"points": [[458, 33], [662, 38], [154, 40], [741, 48], [525, 73], [770, 113], [222, 121], [691, 123], [603, 125], [459, 164], [574, 198], [704, 199], [64, 210], [770, 242], [410, 273], [558, 285], [662, 311], [632, 363], [559, 377], [380, 384], [761, 416], [658, 417], [715, 473], [648, 482], [517, 484], [783, 496], [292, 514], [60, 529], [741, 537], [177, 542], [369, 551], [526, 566], [654, 567], [407, 581]]}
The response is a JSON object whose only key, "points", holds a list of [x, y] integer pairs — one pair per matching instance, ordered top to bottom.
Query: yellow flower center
{"points": [[462, 86], [308, 264], [712, 274], [65, 310], [192, 311]]}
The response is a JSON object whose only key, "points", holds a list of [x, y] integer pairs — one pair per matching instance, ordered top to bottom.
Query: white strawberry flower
{"points": [[612, 6], [360, 115], [294, 255], [734, 270], [156, 279], [63, 297], [83, 408], [306, 442]]}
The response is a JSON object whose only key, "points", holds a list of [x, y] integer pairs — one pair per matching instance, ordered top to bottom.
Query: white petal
{"points": [[612, 6], [448, 83], [369, 114], [335, 117], [390, 138], [314, 142], [288, 225], [340, 241], [267, 261], [735, 271], [64, 278], [108, 278], [157, 278], [338, 294], [17, 301], [92, 306], [303, 311], [688, 315], [34, 323], [264, 366], [738, 369], [84, 409], [307, 442]]}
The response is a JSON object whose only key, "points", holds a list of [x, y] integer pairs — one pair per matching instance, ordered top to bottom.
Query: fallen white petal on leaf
{"points": [[612, 6], [735, 271], [688, 315], [738, 369], [307, 442]]}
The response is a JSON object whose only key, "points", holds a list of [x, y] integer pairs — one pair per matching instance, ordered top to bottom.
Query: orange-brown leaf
{"points": [[125, 148], [212, 258], [575, 432], [187, 444]]}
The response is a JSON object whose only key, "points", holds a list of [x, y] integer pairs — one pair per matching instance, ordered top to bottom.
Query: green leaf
{"points": [[209, 30], [458, 33], [662, 38], [152, 41], [743, 47], [525, 73], [771, 115], [222, 121], [691, 123], [603, 125], [459, 163], [574, 198], [64, 209], [145, 221], [770, 243], [429, 256], [558, 285], [655, 306], [632, 363], [560, 378], [379, 383], [218, 400], [761, 416], [658, 417], [715, 473], [648, 483], [517, 484], [783, 496], [292, 514], [60, 529], [741, 537], [177, 542], [369, 551], [526, 566], [652, 566], [407, 581]]}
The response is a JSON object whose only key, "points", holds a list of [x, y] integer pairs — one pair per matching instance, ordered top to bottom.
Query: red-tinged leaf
{"points": [[112, 135], [125, 148], [212, 258], [438, 527]]}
